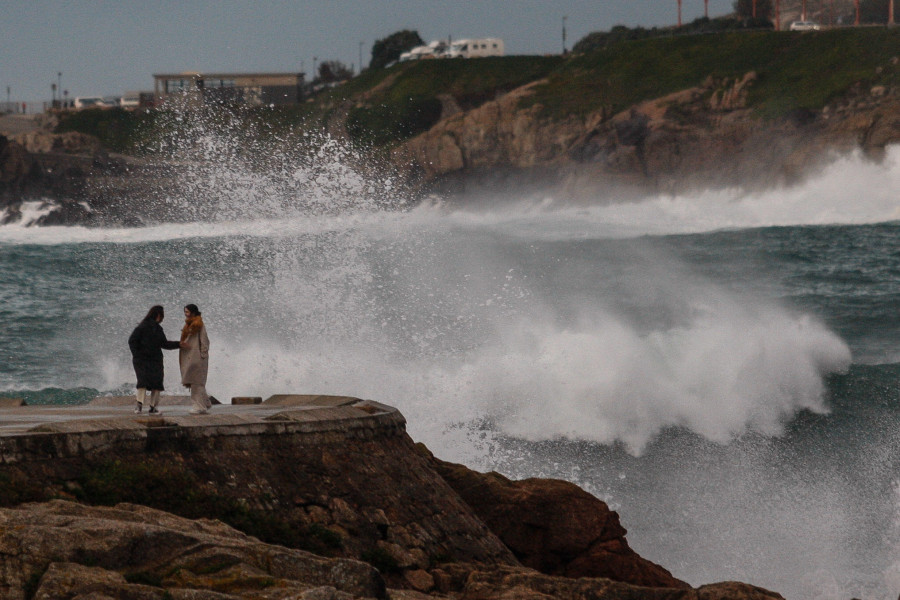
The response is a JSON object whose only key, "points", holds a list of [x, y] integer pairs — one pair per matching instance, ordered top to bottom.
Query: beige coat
{"points": [[194, 359]]}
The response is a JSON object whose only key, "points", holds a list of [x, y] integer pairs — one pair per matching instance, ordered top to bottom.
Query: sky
{"points": [[108, 47]]}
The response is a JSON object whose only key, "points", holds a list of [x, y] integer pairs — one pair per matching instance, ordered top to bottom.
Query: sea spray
{"points": [[696, 382]]}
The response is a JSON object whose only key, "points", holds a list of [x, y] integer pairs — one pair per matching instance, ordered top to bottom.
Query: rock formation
{"points": [[702, 137], [342, 480], [584, 540]]}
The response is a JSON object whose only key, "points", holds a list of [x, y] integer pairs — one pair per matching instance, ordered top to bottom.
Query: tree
{"points": [[744, 9], [389, 49], [334, 70]]}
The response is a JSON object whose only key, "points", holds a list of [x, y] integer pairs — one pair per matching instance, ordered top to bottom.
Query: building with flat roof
{"points": [[252, 89]]}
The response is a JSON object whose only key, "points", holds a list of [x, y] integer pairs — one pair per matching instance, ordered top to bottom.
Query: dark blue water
{"points": [[723, 370]]}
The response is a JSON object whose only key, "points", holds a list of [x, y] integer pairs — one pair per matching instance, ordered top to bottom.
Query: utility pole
{"points": [[706, 8], [754, 9], [803, 11], [890, 12], [679, 13], [777, 15], [856, 22], [564, 34], [360, 56], [7, 97]]}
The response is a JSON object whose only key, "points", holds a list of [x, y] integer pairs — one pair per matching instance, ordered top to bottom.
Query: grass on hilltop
{"points": [[795, 70], [383, 107]]}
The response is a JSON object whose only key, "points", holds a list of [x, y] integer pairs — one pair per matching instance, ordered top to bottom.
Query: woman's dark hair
{"points": [[192, 308], [155, 311]]}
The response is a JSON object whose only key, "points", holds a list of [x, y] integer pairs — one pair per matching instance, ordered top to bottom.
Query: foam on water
{"points": [[535, 323]]}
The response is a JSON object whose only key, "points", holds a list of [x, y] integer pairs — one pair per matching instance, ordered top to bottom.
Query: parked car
{"points": [[805, 26], [88, 102]]}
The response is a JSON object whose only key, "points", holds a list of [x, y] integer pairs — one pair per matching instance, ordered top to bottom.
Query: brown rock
{"points": [[555, 527], [153, 545], [419, 580]]}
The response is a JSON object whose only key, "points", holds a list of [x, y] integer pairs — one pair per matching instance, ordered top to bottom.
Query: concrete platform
{"points": [[117, 414]]}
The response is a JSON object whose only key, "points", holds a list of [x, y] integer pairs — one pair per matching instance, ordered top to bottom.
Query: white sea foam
{"points": [[851, 190], [524, 322]]}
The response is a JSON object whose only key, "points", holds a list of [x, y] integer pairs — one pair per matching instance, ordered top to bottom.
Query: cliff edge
{"points": [[306, 497]]}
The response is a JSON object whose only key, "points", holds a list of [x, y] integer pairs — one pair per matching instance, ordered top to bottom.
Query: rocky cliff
{"points": [[703, 137], [698, 138], [342, 502]]}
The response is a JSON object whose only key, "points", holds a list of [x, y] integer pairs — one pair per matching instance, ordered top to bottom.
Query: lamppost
{"points": [[564, 34], [360, 57], [315, 59], [59, 83], [52, 95]]}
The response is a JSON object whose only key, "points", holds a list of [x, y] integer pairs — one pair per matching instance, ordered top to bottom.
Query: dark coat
{"points": [[147, 342]]}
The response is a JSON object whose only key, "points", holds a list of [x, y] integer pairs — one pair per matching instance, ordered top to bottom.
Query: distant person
{"points": [[147, 342], [194, 359]]}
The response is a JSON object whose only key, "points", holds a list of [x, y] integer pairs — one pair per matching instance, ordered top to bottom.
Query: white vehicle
{"points": [[805, 26], [475, 48], [435, 49], [458, 49], [130, 100], [88, 102]]}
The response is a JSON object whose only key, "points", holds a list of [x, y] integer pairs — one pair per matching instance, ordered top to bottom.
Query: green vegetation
{"points": [[620, 33], [387, 50], [795, 70], [612, 71], [410, 104], [117, 129], [173, 488]]}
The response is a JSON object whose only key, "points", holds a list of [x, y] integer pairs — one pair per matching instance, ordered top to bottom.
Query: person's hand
{"points": [[182, 344]]}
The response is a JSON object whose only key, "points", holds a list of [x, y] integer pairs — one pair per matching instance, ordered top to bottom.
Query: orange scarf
{"points": [[192, 325]]}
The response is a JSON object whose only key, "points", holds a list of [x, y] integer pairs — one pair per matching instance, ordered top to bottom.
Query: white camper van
{"points": [[475, 48], [88, 102]]}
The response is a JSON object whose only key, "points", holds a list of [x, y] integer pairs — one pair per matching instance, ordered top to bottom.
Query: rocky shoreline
{"points": [[696, 139], [313, 497]]}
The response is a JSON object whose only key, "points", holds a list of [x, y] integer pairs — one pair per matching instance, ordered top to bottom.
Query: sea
{"points": [[721, 367]]}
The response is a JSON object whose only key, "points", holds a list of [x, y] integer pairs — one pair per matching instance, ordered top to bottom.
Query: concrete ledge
{"points": [[131, 400], [242, 400], [309, 400], [11, 402], [41, 433]]}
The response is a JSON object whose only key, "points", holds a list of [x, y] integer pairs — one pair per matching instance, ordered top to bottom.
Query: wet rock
{"points": [[583, 539], [71, 549]]}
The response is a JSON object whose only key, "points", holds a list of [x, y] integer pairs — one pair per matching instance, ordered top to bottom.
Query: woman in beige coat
{"points": [[194, 359]]}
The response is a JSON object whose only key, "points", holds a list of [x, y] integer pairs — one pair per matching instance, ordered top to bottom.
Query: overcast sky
{"points": [[107, 47]]}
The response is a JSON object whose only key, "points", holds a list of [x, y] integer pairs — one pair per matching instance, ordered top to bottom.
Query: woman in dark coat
{"points": [[147, 342]]}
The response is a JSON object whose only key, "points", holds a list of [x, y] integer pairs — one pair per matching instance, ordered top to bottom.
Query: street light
{"points": [[564, 34], [360, 57]]}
